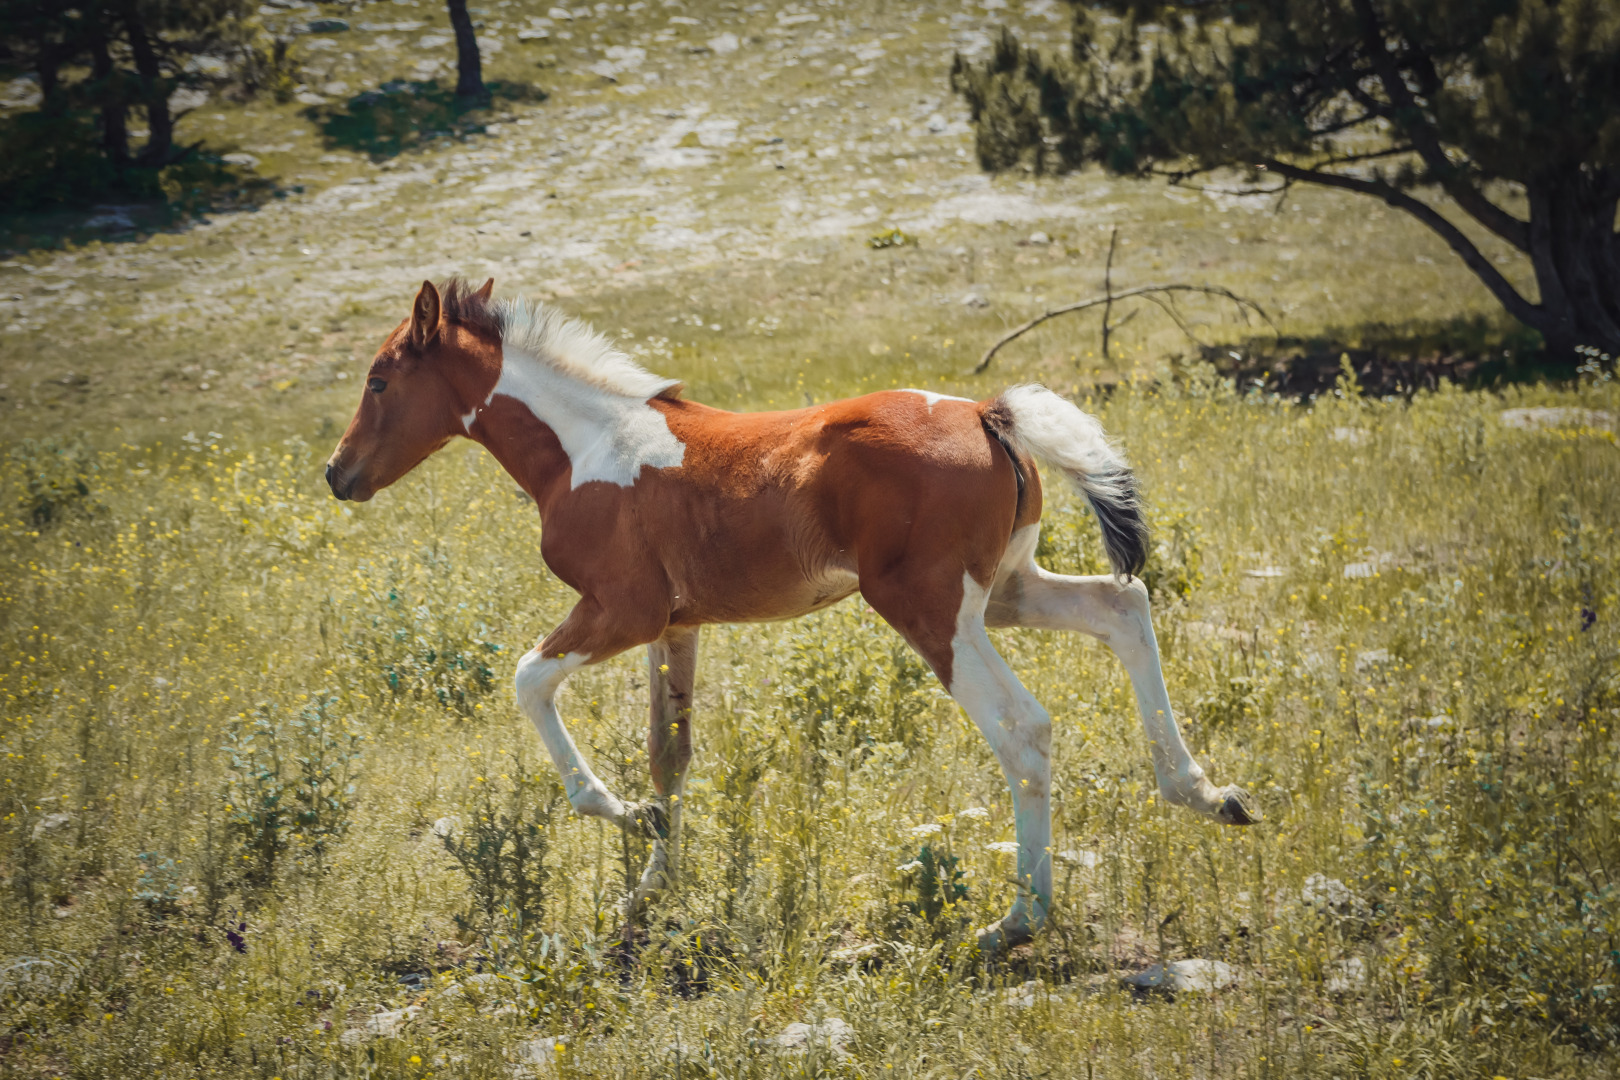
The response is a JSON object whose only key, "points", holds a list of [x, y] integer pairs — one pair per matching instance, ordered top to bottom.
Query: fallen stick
{"points": [[1243, 303]]}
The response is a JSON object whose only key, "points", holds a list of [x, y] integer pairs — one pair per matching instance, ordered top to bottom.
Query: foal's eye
{"points": [[376, 386]]}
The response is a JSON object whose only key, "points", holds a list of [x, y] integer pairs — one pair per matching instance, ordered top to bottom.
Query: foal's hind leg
{"points": [[1116, 613], [951, 637], [671, 672]]}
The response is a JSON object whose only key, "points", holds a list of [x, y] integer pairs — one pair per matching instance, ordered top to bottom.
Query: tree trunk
{"points": [[48, 66], [469, 69], [108, 88], [154, 89], [1573, 251]]}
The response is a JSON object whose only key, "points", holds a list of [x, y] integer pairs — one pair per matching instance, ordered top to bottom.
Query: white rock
{"points": [[723, 44], [247, 161], [1039, 238], [974, 300], [1567, 417], [1371, 658], [51, 823], [444, 827], [1320, 890], [1186, 975], [1346, 975], [1022, 996], [383, 1024], [831, 1034], [537, 1051]]}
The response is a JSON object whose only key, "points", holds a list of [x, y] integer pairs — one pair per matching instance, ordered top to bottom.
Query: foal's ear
{"points": [[485, 290], [425, 315]]}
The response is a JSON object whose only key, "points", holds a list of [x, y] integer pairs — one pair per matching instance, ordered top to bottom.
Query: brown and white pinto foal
{"points": [[664, 514]]}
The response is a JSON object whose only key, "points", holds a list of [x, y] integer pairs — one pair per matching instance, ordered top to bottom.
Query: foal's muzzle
{"points": [[332, 478]]}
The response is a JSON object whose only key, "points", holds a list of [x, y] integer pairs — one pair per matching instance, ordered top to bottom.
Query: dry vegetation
{"points": [[269, 809]]}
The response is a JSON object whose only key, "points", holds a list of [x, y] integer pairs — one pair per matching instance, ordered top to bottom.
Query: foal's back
{"points": [[771, 515]]}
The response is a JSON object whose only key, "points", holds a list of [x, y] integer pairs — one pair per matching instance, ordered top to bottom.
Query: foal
{"points": [[664, 515]]}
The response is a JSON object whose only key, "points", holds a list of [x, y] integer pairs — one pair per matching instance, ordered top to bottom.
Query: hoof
{"points": [[1238, 807], [650, 819], [1003, 934]]}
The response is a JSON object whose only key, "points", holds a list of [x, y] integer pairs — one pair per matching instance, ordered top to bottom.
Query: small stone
{"points": [[327, 26], [723, 44], [247, 161], [1039, 239], [974, 300], [1567, 417], [1350, 435], [1368, 658], [51, 823], [1320, 890], [1346, 975], [1183, 976], [381, 1024], [831, 1034], [537, 1051]]}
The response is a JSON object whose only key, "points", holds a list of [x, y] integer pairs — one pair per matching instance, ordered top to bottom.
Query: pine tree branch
{"points": [[1408, 115], [1509, 297]]}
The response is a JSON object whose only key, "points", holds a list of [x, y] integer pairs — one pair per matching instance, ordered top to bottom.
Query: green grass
{"points": [[236, 716], [1435, 736]]}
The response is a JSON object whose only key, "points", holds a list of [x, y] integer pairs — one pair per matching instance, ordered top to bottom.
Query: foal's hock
{"points": [[664, 514]]}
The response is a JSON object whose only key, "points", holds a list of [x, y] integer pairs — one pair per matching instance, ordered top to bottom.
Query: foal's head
{"points": [[419, 385]]}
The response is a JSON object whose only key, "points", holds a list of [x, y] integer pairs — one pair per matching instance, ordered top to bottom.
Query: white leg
{"points": [[1116, 613], [538, 677], [1019, 732]]}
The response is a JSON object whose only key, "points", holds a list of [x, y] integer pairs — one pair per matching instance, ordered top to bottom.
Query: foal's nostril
{"points": [[331, 481]]}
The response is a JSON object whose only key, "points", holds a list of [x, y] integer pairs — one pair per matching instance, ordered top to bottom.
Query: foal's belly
{"points": [[767, 602]]}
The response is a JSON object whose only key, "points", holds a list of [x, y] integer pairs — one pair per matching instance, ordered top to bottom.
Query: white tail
{"points": [[1057, 432]]}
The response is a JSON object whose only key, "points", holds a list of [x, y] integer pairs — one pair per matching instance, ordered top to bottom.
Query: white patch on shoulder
{"points": [[933, 398], [607, 436]]}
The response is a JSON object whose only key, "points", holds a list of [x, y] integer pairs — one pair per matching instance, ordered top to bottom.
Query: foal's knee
{"points": [[537, 678]]}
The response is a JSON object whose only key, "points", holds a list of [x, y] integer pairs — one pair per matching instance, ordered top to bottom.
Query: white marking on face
{"points": [[933, 398], [607, 436]]}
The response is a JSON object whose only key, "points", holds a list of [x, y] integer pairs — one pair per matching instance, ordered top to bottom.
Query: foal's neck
{"points": [[555, 430]]}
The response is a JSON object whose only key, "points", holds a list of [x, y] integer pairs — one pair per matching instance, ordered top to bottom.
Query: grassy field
{"points": [[268, 809]]}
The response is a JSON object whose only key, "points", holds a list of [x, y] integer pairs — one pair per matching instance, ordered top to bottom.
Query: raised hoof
{"points": [[1238, 808], [648, 818], [1003, 934]]}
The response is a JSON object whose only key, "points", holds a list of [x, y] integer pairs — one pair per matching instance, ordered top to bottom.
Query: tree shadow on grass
{"points": [[400, 116], [57, 187], [1399, 359]]}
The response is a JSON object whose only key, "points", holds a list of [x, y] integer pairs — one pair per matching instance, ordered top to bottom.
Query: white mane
{"points": [[572, 348]]}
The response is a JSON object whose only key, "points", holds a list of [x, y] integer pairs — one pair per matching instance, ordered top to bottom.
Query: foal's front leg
{"points": [[588, 636], [671, 672]]}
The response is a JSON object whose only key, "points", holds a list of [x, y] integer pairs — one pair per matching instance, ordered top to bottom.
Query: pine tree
{"points": [[1509, 108]]}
